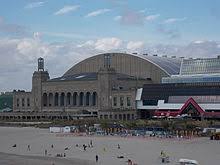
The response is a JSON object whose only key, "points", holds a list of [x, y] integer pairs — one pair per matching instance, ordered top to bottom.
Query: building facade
{"points": [[104, 85], [195, 91]]}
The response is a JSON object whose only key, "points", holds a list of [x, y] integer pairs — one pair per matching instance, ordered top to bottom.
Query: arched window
{"points": [[81, 95], [74, 98], [87, 98], [94, 98], [50, 99], [62, 99], [68, 99], [44, 100], [56, 100], [22, 101], [18, 102], [28, 102], [120, 116], [124, 116], [128, 117]]}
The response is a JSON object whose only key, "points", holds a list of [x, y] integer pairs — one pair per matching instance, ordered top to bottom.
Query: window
{"points": [[114, 101], [121, 101], [128, 101], [17, 102], [22, 102], [28, 102], [149, 102]]}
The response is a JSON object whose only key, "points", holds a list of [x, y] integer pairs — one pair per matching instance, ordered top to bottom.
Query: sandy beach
{"points": [[143, 151]]}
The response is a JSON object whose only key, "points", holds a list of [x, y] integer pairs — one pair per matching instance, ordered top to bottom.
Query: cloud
{"points": [[34, 5], [67, 9], [143, 11], [97, 12], [152, 17], [117, 18], [132, 18], [173, 20], [12, 29], [171, 33], [86, 44], [107, 44], [135, 45], [19, 56]]}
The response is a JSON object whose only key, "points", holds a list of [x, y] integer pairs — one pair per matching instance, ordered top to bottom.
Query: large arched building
{"points": [[104, 85]]}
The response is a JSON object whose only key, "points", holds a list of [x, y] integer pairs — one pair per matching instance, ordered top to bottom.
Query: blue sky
{"points": [[192, 19], [65, 32]]}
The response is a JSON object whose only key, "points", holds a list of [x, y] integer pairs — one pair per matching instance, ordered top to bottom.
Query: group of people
{"points": [[84, 149]]}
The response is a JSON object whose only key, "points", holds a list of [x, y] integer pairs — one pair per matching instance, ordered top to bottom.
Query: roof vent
{"points": [[134, 53], [145, 54], [155, 55]]}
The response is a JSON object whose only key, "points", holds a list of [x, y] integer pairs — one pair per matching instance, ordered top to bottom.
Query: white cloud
{"points": [[34, 5], [67, 9], [143, 11], [97, 12], [152, 17], [117, 18], [173, 20], [37, 35], [198, 42], [87, 43], [107, 44], [132, 45], [19, 56]]}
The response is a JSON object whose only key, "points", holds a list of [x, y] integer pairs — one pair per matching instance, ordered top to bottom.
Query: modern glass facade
{"points": [[200, 66], [197, 70], [191, 79], [207, 92]]}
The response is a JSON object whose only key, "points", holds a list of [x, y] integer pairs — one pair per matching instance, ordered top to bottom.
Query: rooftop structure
{"points": [[196, 70]]}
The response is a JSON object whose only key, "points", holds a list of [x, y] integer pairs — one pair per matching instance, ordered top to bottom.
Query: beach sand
{"points": [[143, 151]]}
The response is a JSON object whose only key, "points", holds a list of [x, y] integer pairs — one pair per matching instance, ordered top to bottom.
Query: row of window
{"points": [[75, 99], [24, 102], [121, 102]]}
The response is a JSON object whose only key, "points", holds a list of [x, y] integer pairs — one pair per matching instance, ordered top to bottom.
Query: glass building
{"points": [[200, 66], [196, 70]]}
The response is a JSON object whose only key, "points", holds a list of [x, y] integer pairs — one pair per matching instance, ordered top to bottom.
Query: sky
{"points": [[68, 31]]}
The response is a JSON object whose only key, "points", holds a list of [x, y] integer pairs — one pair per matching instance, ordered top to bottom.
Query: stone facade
{"points": [[103, 85]]}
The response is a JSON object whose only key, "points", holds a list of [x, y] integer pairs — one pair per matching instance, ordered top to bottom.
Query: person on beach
{"points": [[91, 143], [52, 146], [119, 146], [84, 147], [28, 148], [45, 152], [162, 153], [96, 158], [129, 162]]}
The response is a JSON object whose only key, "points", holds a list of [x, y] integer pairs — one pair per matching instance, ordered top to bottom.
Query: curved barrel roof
{"points": [[130, 64]]}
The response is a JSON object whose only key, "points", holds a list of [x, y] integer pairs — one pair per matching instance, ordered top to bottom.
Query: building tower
{"points": [[106, 77], [38, 78]]}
